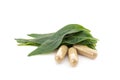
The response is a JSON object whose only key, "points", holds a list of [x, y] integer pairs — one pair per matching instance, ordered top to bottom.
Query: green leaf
{"points": [[40, 35], [77, 37], [26, 42]]}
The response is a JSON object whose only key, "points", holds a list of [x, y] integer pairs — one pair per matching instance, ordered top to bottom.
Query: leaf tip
{"points": [[29, 55]]}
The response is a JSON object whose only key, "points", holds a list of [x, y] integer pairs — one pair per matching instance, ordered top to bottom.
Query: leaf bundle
{"points": [[69, 35]]}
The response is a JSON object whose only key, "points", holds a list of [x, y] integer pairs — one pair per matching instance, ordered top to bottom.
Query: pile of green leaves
{"points": [[69, 35]]}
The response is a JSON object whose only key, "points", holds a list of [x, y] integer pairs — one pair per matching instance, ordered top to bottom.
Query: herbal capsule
{"points": [[62, 51], [86, 51], [73, 56]]}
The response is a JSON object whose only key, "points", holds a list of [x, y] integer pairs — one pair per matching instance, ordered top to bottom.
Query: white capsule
{"points": [[62, 51], [86, 51], [73, 56]]}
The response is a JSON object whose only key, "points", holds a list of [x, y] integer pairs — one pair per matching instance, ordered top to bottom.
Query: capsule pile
{"points": [[73, 52]]}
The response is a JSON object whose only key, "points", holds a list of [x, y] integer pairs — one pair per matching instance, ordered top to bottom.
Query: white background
{"points": [[21, 17]]}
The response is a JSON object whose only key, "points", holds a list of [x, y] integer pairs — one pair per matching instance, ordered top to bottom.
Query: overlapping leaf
{"points": [[68, 35]]}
